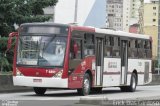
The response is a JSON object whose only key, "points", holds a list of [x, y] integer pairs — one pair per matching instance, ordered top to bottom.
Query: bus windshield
{"points": [[42, 45], [41, 50]]}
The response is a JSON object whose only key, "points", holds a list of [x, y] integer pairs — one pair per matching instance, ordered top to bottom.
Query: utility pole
{"points": [[76, 11], [141, 12], [158, 37]]}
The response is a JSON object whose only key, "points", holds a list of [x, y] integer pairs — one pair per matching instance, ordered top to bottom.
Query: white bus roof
{"points": [[121, 33]]}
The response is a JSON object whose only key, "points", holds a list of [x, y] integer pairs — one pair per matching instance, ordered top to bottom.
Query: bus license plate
{"points": [[37, 80]]}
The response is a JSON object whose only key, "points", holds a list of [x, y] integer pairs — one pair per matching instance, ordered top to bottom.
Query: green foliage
{"points": [[21, 11], [17, 12], [5, 61], [155, 63]]}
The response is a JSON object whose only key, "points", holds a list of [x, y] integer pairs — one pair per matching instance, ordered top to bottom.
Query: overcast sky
{"points": [[146, 1]]}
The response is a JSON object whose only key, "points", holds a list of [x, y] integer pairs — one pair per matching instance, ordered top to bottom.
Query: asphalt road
{"points": [[71, 98]]}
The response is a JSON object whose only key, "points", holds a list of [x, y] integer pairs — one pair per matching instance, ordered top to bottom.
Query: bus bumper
{"points": [[40, 82]]}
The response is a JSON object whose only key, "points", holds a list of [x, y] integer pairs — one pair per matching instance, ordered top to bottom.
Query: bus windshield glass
{"points": [[41, 50]]}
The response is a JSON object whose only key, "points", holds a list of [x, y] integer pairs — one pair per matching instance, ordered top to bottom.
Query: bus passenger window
{"points": [[89, 44], [108, 46], [116, 47], [132, 48], [75, 49], [140, 49], [144, 49], [148, 49], [75, 54]]}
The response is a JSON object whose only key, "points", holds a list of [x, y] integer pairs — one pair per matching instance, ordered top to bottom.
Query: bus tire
{"points": [[133, 83], [86, 86], [132, 86], [39, 91]]}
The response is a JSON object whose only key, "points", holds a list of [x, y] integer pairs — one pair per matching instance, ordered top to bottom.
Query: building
{"points": [[49, 11], [115, 14], [121, 14], [126, 14], [135, 18], [150, 27], [134, 28], [159, 34]]}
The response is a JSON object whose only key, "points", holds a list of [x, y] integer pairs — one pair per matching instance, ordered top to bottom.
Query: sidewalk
{"points": [[147, 101]]}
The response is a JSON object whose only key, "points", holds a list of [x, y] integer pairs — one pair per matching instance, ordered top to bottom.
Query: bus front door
{"points": [[99, 61], [124, 61]]}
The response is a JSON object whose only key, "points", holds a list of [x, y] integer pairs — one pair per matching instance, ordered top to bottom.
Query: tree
{"points": [[21, 11], [16, 12], [5, 61], [4, 64]]}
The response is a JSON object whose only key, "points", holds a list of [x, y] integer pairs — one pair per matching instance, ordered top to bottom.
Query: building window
{"points": [[154, 8], [154, 14], [154, 20], [89, 44]]}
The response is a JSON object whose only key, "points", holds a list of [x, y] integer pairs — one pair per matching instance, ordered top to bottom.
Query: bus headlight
{"points": [[18, 73], [59, 74]]}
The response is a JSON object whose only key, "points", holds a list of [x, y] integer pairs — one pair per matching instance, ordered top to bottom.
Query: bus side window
{"points": [[89, 44], [108, 46], [116, 47], [76, 49], [129, 49], [133, 49], [140, 49], [144, 49], [148, 49], [75, 54]]}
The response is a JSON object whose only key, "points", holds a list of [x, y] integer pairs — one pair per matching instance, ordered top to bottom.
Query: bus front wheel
{"points": [[85, 90], [39, 91]]}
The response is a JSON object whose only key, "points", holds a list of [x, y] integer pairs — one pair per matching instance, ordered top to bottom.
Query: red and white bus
{"points": [[49, 55]]}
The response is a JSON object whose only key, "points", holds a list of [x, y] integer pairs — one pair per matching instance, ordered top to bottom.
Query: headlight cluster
{"points": [[18, 73], [59, 74]]}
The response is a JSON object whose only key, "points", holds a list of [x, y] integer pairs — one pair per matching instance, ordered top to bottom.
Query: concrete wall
{"points": [[6, 85]]}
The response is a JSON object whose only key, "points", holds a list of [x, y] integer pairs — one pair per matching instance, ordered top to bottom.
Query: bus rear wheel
{"points": [[133, 83], [132, 86], [85, 90], [39, 91]]}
